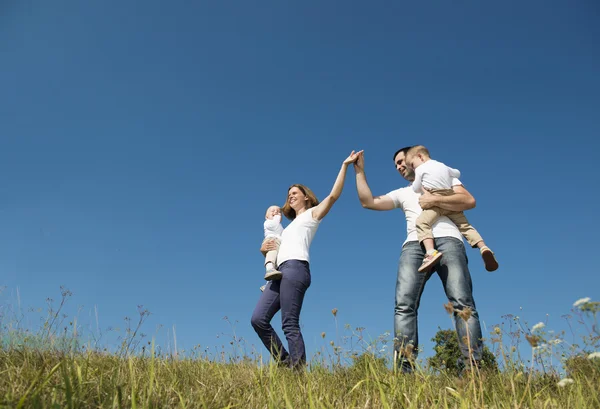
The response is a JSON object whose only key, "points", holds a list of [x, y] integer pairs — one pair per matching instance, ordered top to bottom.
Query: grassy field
{"points": [[52, 369]]}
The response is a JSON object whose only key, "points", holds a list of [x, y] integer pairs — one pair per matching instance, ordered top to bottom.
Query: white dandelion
{"points": [[581, 301], [537, 326], [594, 355], [565, 382]]}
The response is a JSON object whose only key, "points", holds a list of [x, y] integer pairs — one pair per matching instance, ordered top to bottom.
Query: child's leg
{"points": [[424, 223], [471, 235], [425, 236], [475, 240], [271, 272]]}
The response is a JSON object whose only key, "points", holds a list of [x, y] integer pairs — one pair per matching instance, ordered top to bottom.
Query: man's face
{"points": [[401, 167]]}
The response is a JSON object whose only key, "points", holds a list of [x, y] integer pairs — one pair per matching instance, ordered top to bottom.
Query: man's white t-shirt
{"points": [[407, 200], [296, 238]]}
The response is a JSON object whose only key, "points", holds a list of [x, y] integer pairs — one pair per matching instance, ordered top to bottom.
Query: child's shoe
{"points": [[430, 260], [491, 264], [273, 274], [262, 288]]}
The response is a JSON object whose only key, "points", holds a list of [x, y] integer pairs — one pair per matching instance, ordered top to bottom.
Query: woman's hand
{"points": [[352, 158], [359, 164], [267, 246]]}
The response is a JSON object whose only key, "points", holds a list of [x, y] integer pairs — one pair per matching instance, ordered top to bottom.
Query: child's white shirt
{"points": [[434, 175], [273, 227]]}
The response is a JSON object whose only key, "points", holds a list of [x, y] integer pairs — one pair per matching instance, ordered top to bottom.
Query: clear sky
{"points": [[141, 142]]}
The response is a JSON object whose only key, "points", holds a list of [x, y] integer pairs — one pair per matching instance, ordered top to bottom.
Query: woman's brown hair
{"points": [[311, 202]]}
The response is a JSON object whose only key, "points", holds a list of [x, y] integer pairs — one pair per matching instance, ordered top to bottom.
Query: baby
{"points": [[273, 230]]}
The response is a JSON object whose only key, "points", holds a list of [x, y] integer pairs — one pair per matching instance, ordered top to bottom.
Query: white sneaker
{"points": [[273, 274]]}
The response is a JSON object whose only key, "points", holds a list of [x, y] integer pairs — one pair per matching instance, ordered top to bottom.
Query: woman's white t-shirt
{"points": [[296, 238]]}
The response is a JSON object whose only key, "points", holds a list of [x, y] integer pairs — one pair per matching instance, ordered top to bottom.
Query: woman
{"points": [[287, 294]]}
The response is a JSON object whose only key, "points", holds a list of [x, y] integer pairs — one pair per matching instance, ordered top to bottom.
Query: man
{"points": [[452, 269]]}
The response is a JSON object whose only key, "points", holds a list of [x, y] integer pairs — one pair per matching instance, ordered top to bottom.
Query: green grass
{"points": [[53, 368], [33, 379]]}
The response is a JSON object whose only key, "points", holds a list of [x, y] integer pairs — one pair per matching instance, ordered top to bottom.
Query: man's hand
{"points": [[352, 158], [359, 164], [427, 200], [460, 201], [267, 246]]}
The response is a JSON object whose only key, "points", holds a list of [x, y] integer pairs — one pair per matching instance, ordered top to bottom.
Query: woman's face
{"points": [[296, 198]]}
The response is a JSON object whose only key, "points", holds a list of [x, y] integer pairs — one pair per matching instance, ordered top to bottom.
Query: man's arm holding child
{"points": [[460, 201]]}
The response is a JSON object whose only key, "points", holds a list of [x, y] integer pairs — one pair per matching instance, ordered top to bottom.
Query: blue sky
{"points": [[141, 142]]}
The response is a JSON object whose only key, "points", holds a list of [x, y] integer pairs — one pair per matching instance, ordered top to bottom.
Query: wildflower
{"points": [[581, 301], [449, 307], [334, 312], [465, 313], [537, 326], [497, 330], [322, 335], [533, 340], [555, 341], [331, 343], [407, 351], [594, 355], [565, 382]]}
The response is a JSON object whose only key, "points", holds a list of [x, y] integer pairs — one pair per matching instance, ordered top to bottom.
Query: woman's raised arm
{"points": [[324, 207]]}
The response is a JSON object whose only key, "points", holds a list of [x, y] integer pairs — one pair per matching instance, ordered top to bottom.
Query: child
{"points": [[436, 178], [273, 230]]}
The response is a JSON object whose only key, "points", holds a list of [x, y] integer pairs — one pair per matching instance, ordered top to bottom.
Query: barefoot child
{"points": [[437, 178], [273, 230]]}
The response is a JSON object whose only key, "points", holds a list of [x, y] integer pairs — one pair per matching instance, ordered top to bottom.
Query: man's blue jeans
{"points": [[456, 279]]}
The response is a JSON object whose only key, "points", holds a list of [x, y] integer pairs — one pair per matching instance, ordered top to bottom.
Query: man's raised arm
{"points": [[364, 192]]}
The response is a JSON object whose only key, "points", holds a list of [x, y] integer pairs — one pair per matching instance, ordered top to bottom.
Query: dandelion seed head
{"points": [[334, 312], [322, 335]]}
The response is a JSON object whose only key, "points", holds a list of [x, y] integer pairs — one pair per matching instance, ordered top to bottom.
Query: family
{"points": [[433, 205]]}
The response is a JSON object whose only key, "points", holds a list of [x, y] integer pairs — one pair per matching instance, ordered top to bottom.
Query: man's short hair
{"points": [[404, 150]]}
